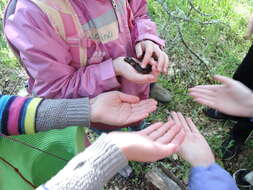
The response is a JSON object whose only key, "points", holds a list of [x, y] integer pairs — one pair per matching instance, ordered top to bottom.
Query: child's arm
{"points": [[144, 27], [147, 42], [47, 58], [23, 115], [27, 115], [211, 177]]}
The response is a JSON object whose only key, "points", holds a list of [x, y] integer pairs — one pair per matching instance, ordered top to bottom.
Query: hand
{"points": [[249, 33], [149, 49], [124, 69], [232, 97], [119, 109], [151, 144], [194, 149]]}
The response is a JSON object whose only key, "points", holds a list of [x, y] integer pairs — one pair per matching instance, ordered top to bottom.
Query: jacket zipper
{"points": [[115, 7]]}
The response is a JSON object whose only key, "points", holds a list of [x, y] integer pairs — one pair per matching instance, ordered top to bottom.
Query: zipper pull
{"points": [[114, 4]]}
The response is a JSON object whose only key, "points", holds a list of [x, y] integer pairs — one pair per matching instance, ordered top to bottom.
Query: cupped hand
{"points": [[148, 50], [125, 70], [231, 97], [119, 109], [151, 144], [195, 148]]}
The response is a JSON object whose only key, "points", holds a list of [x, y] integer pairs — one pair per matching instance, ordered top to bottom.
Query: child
{"points": [[76, 49]]}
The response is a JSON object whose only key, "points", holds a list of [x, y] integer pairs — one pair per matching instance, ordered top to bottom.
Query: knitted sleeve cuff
{"points": [[61, 113], [90, 169]]}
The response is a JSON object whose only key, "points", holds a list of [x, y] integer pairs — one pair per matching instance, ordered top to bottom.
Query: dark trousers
{"points": [[244, 74]]}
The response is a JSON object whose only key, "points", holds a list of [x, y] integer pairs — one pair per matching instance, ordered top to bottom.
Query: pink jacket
{"points": [[52, 69]]}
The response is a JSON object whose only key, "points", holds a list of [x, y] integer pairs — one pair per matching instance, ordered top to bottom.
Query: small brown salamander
{"points": [[137, 66]]}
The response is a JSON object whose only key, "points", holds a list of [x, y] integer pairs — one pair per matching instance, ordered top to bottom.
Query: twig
{"points": [[196, 10], [186, 19], [188, 48], [193, 53]]}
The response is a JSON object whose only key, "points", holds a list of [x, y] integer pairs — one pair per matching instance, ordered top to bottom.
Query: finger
{"points": [[138, 50], [147, 54], [160, 57], [153, 62], [166, 64], [154, 66], [225, 80], [214, 87], [203, 91], [203, 96], [128, 98], [146, 101], [206, 102], [144, 104], [145, 109], [137, 117], [170, 118], [175, 118], [183, 122], [192, 125], [150, 129], [159, 132], [170, 134], [179, 139], [165, 150]]}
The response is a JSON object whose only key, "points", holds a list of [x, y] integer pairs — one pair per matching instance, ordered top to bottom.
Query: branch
{"points": [[197, 10], [185, 19], [193, 53]]}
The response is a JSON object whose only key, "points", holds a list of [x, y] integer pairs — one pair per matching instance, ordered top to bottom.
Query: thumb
{"points": [[138, 50], [224, 80], [128, 98], [165, 150]]}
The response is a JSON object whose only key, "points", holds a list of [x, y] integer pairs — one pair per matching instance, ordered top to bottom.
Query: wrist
{"points": [[116, 67], [93, 111], [117, 139], [204, 163]]}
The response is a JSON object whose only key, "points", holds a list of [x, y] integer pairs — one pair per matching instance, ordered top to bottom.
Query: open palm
{"points": [[231, 97], [119, 109], [151, 144]]}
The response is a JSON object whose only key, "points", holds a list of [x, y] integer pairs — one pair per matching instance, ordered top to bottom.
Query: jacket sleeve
{"points": [[144, 27], [47, 58], [26, 115], [210, 178]]}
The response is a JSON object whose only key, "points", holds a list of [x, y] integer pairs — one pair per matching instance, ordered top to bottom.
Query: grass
{"points": [[220, 46], [6, 57]]}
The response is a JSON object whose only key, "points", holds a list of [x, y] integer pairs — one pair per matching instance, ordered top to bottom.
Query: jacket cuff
{"points": [[151, 37], [108, 76], [61, 113], [199, 169]]}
